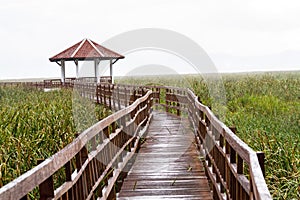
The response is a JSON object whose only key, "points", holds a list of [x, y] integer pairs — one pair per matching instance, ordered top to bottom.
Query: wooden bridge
{"points": [[160, 143], [168, 164]]}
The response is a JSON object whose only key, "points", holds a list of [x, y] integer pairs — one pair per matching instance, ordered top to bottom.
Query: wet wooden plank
{"points": [[168, 164], [164, 197]]}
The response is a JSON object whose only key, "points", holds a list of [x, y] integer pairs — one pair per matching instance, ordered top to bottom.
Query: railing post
{"points": [[99, 88], [97, 93], [104, 95], [109, 96], [118, 96], [125, 97], [158, 100], [167, 100], [178, 104], [113, 127], [106, 132], [232, 151], [80, 158], [261, 160], [223, 162], [227, 168], [240, 170], [68, 172], [46, 188]]}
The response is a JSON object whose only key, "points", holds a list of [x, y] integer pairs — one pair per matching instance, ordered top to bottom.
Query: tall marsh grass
{"points": [[265, 108], [35, 125]]}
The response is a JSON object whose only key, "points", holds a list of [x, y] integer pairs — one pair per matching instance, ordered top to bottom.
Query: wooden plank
{"points": [[168, 165], [169, 197]]}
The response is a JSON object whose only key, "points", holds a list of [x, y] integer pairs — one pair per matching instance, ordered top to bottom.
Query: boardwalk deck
{"points": [[168, 165]]}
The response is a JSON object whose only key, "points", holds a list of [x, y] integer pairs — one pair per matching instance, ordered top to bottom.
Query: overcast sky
{"points": [[238, 35]]}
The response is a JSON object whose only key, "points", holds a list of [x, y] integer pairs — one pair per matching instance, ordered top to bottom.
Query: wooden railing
{"points": [[102, 79], [57, 83], [36, 85], [115, 97], [93, 162], [235, 171]]}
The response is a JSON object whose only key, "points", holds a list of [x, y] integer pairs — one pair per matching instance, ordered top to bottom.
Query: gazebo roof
{"points": [[86, 50]]}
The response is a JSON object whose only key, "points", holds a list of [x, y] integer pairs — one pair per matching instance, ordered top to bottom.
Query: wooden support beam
{"points": [[115, 61], [58, 63]]}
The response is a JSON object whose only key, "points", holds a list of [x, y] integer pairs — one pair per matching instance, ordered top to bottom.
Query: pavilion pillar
{"points": [[96, 63], [77, 68], [63, 71], [111, 71]]}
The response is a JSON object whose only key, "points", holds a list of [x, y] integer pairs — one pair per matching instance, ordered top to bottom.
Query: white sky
{"points": [[238, 35]]}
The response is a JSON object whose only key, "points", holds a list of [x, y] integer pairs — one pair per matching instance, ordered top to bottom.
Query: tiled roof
{"points": [[86, 50]]}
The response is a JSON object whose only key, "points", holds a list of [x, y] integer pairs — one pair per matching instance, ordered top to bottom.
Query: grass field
{"points": [[265, 108], [36, 124]]}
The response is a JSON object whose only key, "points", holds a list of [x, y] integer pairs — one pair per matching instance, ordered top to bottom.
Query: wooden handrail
{"points": [[132, 121], [225, 153], [258, 184]]}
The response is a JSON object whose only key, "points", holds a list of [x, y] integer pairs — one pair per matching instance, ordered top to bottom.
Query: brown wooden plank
{"points": [[168, 164], [169, 197]]}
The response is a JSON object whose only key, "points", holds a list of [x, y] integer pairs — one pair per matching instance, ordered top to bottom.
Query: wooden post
{"points": [[97, 93], [104, 95], [109, 97], [125, 97], [118, 98], [167, 100], [177, 104], [106, 132], [232, 151], [80, 158], [261, 160], [240, 165], [240, 170], [68, 171], [46, 188]]}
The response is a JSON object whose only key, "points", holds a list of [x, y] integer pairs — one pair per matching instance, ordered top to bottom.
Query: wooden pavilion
{"points": [[86, 50]]}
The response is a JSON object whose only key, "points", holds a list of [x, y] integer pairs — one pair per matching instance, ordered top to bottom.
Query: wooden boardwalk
{"points": [[168, 165]]}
